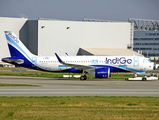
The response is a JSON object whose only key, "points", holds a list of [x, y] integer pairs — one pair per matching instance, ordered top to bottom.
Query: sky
{"points": [[117, 10]]}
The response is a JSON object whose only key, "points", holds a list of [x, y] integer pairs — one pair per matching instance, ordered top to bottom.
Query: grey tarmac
{"points": [[75, 87]]}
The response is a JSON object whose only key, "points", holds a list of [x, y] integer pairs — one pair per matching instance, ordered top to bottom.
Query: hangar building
{"points": [[9, 24], [89, 37], [146, 37]]}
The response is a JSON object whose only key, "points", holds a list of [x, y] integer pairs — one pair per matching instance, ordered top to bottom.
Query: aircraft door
{"points": [[34, 60], [135, 61], [94, 62]]}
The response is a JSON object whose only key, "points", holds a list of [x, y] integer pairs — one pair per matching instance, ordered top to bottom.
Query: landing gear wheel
{"points": [[83, 78], [144, 79]]}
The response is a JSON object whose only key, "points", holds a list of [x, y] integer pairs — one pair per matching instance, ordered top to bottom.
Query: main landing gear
{"points": [[83, 77]]}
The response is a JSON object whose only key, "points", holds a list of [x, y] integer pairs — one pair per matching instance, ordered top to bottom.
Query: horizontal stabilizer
{"points": [[13, 60]]}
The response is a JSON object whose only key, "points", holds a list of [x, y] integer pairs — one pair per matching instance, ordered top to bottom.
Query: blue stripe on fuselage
{"points": [[112, 68], [117, 69]]}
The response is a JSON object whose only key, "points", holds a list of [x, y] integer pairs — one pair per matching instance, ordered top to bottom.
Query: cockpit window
{"points": [[147, 61]]}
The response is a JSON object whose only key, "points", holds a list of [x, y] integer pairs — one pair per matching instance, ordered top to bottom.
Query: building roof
{"points": [[108, 52]]}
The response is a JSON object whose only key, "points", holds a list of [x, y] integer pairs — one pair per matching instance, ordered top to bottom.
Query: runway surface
{"points": [[75, 87]]}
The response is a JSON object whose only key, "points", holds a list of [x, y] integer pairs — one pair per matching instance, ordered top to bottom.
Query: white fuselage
{"points": [[128, 63]]}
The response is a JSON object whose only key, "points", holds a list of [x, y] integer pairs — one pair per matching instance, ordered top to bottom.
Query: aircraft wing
{"points": [[78, 66]]}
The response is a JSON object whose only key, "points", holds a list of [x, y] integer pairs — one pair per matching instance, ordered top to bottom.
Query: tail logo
{"points": [[14, 38]]}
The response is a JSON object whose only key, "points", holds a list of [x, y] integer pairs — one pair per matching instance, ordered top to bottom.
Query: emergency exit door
{"points": [[136, 61]]}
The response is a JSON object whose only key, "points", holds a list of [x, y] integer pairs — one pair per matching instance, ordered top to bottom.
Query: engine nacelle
{"points": [[102, 73]]}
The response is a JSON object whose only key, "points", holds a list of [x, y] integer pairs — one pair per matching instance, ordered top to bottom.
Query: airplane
{"points": [[97, 66]]}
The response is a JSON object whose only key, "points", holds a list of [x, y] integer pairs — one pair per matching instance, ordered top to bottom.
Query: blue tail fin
{"points": [[16, 47]]}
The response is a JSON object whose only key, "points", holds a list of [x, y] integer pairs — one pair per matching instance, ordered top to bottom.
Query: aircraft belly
{"points": [[49, 67]]}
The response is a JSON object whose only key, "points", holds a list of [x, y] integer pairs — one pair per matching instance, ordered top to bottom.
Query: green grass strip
{"points": [[7, 71], [58, 75], [7, 84], [79, 108]]}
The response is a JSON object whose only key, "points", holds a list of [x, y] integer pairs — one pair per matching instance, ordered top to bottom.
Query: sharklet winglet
{"points": [[59, 59]]}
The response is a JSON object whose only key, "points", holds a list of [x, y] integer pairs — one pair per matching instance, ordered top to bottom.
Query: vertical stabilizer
{"points": [[16, 47]]}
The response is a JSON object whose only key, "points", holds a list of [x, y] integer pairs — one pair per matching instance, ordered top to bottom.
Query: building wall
{"points": [[11, 24], [32, 36], [56, 36], [46, 37], [147, 42]]}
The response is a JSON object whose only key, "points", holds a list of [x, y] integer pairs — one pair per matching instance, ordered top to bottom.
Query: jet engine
{"points": [[100, 73]]}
